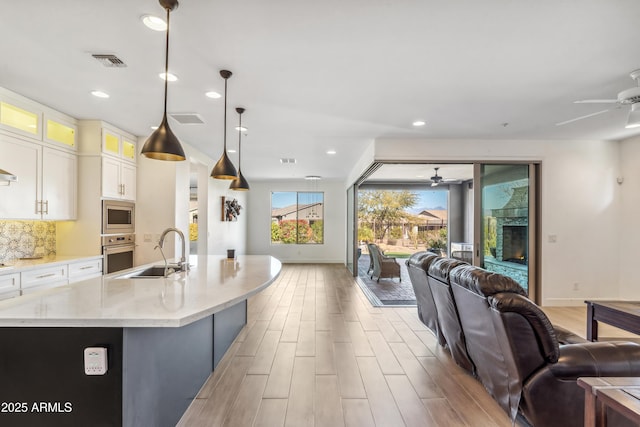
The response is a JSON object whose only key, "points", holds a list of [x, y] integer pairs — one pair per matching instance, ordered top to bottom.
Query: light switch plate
{"points": [[95, 361]]}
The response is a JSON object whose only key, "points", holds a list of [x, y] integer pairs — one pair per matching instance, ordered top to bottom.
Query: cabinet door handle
{"points": [[124, 191], [46, 203], [86, 267], [45, 275]]}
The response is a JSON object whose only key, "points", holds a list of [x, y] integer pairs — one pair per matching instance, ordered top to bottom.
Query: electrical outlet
{"points": [[147, 237], [552, 238], [576, 286], [95, 361]]}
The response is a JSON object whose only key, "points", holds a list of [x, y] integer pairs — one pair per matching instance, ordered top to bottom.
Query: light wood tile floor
{"points": [[316, 353]]}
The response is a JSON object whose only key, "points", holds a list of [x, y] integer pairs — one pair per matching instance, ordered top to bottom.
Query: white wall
{"points": [[163, 201], [580, 206], [629, 219], [259, 227]]}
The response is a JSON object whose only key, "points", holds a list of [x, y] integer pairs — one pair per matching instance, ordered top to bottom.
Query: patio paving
{"points": [[386, 291]]}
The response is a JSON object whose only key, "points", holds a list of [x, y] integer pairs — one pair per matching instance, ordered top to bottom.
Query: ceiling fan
{"points": [[626, 97], [437, 179]]}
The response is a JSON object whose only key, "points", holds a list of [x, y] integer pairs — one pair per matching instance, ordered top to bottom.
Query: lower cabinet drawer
{"points": [[84, 270], [43, 276], [9, 283]]}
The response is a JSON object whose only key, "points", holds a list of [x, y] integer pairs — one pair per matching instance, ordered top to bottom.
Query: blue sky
{"points": [[428, 199]]}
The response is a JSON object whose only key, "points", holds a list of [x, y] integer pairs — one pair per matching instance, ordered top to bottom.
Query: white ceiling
{"points": [[334, 74]]}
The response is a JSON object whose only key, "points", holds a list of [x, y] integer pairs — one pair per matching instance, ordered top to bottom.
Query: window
{"points": [[297, 217]]}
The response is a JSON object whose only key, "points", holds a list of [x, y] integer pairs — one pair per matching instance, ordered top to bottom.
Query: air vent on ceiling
{"points": [[109, 60], [187, 118], [285, 160]]}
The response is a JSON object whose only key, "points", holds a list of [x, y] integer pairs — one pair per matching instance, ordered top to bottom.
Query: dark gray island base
{"points": [[154, 372]]}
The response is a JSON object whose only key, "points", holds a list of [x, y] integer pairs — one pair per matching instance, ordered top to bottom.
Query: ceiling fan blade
{"points": [[596, 101], [581, 117]]}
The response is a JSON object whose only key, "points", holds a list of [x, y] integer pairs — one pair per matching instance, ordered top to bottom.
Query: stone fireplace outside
{"points": [[510, 256]]}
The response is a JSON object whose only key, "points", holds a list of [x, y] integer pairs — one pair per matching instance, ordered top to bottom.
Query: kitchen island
{"points": [[163, 337]]}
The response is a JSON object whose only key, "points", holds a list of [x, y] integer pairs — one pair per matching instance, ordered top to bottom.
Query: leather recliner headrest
{"points": [[419, 258], [441, 268], [483, 282], [540, 323]]}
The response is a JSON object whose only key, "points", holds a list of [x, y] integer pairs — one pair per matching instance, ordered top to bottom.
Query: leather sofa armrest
{"points": [[565, 336], [597, 359]]}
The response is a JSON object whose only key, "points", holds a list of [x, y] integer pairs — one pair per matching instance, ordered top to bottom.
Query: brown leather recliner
{"points": [[417, 266], [447, 311], [518, 357]]}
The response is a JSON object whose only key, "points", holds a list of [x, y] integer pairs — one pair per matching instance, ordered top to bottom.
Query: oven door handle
{"points": [[108, 250]]}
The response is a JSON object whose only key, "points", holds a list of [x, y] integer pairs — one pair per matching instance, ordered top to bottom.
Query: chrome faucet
{"points": [[182, 265]]}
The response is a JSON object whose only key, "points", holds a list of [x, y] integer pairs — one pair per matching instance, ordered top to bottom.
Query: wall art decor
{"points": [[230, 209]]}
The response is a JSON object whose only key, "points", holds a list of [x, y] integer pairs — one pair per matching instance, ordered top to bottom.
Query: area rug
{"points": [[386, 292]]}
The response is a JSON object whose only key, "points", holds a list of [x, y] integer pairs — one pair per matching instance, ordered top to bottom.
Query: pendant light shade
{"points": [[163, 144], [224, 169], [239, 183]]}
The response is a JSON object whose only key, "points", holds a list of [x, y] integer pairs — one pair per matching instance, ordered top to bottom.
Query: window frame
{"points": [[297, 210]]}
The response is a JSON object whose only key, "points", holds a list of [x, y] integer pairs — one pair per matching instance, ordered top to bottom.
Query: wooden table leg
{"points": [[589, 409], [601, 413]]}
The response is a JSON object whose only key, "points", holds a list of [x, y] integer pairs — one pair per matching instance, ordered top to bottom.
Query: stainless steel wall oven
{"points": [[118, 251]]}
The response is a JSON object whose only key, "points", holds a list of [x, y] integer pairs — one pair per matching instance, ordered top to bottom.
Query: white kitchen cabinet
{"points": [[20, 115], [60, 131], [116, 143], [117, 150], [118, 179], [47, 181], [59, 184], [19, 200], [82, 270], [43, 278], [9, 285]]}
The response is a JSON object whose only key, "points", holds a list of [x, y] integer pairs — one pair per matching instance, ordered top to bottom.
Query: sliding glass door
{"points": [[505, 228], [352, 256]]}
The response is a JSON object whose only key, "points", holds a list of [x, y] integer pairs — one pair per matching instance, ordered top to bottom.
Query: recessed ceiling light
{"points": [[154, 23], [170, 77], [99, 94], [212, 94], [419, 123], [154, 127], [242, 129], [231, 150], [331, 152], [419, 176], [312, 177]]}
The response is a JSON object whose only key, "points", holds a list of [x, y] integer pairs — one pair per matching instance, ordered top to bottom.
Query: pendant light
{"points": [[162, 144], [224, 169], [239, 183]]}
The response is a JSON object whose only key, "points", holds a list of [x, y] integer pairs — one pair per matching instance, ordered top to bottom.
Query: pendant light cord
{"points": [[166, 66], [225, 114], [240, 145]]}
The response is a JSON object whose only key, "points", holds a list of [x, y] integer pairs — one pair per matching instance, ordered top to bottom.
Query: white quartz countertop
{"points": [[24, 264], [213, 284]]}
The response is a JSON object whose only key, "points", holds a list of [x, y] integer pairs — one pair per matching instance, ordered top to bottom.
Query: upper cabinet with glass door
{"points": [[19, 115], [22, 116], [118, 144]]}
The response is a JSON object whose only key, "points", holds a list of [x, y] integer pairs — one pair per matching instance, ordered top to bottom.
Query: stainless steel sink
{"points": [[147, 273]]}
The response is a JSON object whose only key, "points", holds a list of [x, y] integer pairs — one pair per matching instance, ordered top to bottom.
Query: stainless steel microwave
{"points": [[118, 217]]}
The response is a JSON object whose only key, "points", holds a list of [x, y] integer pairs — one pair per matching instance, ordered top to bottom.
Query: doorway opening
{"points": [[477, 213]]}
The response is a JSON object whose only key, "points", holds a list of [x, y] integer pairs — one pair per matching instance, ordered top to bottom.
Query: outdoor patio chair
{"points": [[383, 266]]}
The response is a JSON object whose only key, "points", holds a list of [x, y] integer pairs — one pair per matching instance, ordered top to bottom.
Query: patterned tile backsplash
{"points": [[20, 239]]}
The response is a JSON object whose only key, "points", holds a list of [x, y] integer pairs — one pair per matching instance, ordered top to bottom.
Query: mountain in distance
{"points": [[416, 211]]}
